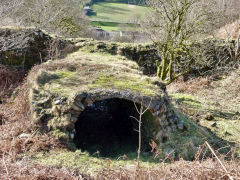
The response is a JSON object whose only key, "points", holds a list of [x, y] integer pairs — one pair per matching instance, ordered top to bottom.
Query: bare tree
{"points": [[9, 7], [55, 16], [173, 25], [230, 26], [141, 111]]}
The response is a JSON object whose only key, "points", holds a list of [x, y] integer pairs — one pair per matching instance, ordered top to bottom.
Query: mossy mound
{"points": [[87, 72], [62, 89]]}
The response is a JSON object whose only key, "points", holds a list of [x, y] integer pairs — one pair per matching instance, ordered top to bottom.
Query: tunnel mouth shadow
{"points": [[107, 127]]}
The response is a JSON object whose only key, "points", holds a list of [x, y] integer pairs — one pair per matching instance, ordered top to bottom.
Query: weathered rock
{"points": [[26, 46], [23, 47], [113, 78], [58, 102], [80, 105], [76, 108], [214, 124], [180, 125], [24, 136]]}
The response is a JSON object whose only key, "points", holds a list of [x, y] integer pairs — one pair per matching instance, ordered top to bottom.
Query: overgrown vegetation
{"points": [[59, 17], [172, 25], [175, 26], [212, 104], [207, 145]]}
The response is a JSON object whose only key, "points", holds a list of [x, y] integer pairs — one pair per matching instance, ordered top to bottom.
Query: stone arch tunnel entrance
{"points": [[88, 100], [106, 126]]}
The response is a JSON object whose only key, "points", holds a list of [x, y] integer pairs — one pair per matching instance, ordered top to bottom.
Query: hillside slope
{"points": [[208, 110]]}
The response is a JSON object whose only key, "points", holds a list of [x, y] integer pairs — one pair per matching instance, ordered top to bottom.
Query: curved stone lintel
{"points": [[153, 103]]}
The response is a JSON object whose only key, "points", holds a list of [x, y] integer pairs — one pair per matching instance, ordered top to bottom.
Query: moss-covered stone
{"points": [[26, 47], [206, 53], [144, 55], [95, 77]]}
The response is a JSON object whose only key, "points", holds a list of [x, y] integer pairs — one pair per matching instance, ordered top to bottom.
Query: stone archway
{"points": [[60, 91], [66, 113], [108, 126]]}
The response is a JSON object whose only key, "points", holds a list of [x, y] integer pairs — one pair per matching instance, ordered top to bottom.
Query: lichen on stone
{"points": [[83, 78]]}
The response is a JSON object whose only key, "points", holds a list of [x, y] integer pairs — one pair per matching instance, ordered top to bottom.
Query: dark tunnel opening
{"points": [[107, 127]]}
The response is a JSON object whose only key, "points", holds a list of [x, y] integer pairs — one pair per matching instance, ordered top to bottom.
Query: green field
{"points": [[121, 1], [116, 16], [114, 26]]}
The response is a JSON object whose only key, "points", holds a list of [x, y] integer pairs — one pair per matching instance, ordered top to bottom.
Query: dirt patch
{"points": [[132, 6]]}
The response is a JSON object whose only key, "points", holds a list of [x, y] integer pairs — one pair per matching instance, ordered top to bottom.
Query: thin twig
{"points": [[219, 160], [5, 166]]}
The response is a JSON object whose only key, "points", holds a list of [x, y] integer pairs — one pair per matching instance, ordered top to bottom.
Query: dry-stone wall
{"points": [[26, 47]]}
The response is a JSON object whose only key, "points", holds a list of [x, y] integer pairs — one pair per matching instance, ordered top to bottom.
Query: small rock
{"points": [[91, 69], [64, 99], [88, 101], [58, 102], [79, 104], [76, 108], [55, 110], [237, 113], [209, 117], [214, 124], [180, 125], [72, 135], [24, 136]]}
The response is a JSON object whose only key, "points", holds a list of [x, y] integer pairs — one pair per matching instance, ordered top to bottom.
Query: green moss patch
{"points": [[94, 71], [131, 83], [89, 164]]}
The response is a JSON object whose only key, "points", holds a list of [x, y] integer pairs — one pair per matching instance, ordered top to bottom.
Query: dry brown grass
{"points": [[10, 78], [190, 86], [15, 115], [16, 120], [208, 169], [23, 171]]}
